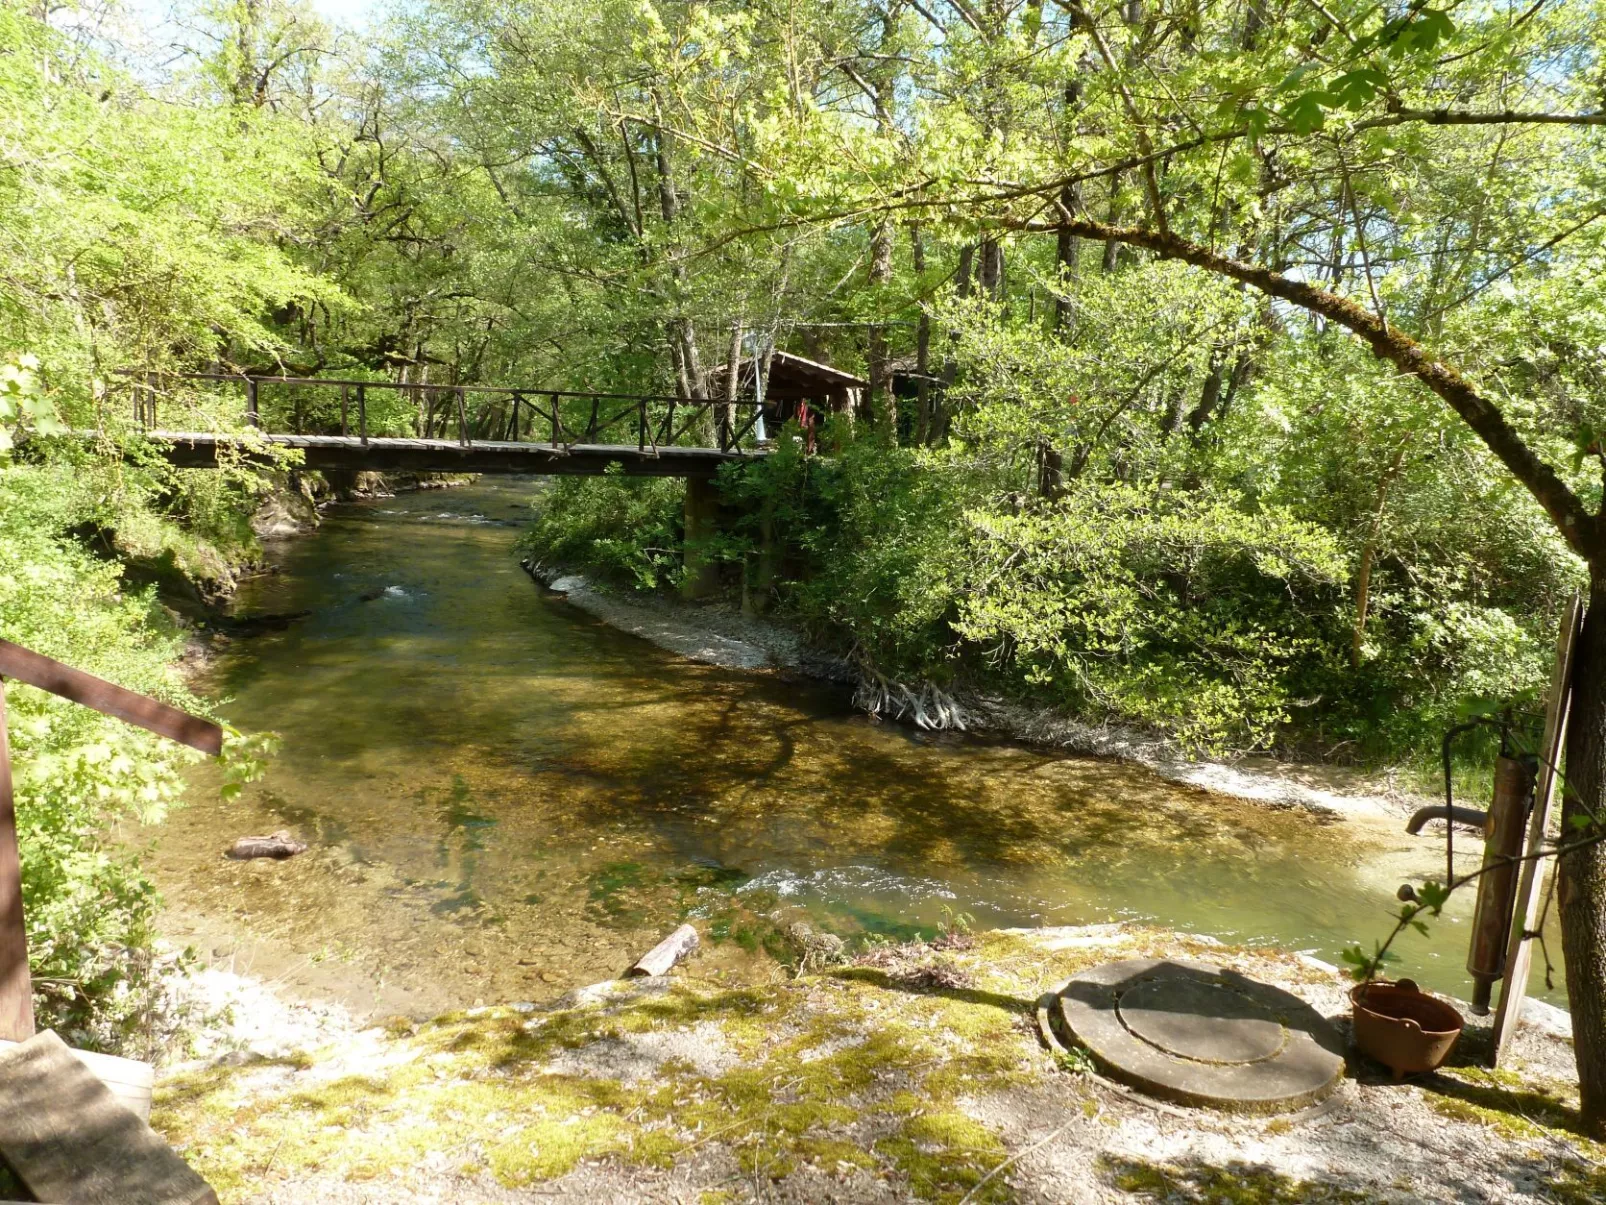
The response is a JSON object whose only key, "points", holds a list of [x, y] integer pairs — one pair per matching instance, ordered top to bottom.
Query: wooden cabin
{"points": [[797, 388]]}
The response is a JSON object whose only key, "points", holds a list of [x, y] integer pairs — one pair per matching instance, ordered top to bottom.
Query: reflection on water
{"points": [[506, 797]]}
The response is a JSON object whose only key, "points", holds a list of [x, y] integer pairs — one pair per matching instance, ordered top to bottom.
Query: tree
{"points": [[1401, 74]]}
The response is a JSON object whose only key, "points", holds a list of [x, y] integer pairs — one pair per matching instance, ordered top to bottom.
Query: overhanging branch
{"points": [[1580, 528]]}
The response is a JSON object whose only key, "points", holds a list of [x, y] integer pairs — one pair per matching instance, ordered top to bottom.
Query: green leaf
{"points": [[1418, 32], [1354, 90], [1307, 113], [1433, 896]]}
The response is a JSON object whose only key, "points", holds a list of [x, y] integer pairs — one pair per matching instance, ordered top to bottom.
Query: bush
{"points": [[625, 529], [1187, 612], [79, 774]]}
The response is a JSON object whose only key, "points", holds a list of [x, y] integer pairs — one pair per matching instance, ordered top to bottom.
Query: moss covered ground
{"points": [[913, 1073]]}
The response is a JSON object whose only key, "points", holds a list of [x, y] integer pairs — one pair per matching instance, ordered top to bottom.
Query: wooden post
{"points": [[362, 413], [252, 416], [556, 425], [463, 435], [1519, 946], [16, 984]]}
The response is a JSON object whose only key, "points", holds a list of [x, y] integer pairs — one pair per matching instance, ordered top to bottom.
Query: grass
{"points": [[1195, 1182]]}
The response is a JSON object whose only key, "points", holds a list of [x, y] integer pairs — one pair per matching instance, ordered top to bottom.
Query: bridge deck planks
{"points": [[192, 449]]}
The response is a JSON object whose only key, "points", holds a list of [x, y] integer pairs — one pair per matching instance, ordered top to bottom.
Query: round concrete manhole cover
{"points": [[1206, 1022], [1199, 1034]]}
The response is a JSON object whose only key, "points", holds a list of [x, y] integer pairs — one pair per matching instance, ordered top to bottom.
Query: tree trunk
{"points": [[1112, 247], [917, 248], [1067, 250], [990, 272], [682, 336], [950, 369], [733, 386], [883, 406], [1050, 471], [1363, 573], [1581, 889]]}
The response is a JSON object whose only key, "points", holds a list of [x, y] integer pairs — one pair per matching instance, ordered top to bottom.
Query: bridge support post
{"points": [[701, 523]]}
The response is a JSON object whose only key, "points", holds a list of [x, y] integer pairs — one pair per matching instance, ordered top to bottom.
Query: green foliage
{"points": [[22, 404], [625, 528], [882, 571], [1189, 613], [79, 775]]}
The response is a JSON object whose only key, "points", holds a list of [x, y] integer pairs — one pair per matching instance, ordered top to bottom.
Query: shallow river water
{"points": [[505, 798]]}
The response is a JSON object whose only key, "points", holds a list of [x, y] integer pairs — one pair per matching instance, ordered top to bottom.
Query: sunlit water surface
{"points": [[505, 798]]}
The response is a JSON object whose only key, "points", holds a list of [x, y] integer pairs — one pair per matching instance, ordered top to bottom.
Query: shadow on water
{"points": [[479, 764]]}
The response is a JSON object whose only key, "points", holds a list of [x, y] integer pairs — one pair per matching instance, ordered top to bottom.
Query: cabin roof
{"points": [[812, 371], [794, 377]]}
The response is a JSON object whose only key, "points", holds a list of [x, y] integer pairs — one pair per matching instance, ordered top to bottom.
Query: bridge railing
{"points": [[474, 413]]}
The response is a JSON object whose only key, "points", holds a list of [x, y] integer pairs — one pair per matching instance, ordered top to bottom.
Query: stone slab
{"points": [[1199, 1034], [128, 1080], [68, 1139]]}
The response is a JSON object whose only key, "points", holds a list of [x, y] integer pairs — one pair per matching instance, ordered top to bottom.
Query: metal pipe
{"points": [[1451, 812]]}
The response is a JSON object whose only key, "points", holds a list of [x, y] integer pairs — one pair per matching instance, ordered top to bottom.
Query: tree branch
{"points": [[1580, 528]]}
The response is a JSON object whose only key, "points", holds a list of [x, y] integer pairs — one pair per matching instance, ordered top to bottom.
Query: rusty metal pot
{"points": [[1403, 1027]]}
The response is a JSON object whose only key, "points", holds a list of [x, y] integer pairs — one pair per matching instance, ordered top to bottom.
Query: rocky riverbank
{"points": [[292, 508], [907, 1072]]}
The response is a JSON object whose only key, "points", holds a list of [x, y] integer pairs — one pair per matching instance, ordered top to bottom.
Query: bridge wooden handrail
{"points": [[524, 391], [728, 432]]}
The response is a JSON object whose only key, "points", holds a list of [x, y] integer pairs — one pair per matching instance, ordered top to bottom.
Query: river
{"points": [[506, 798]]}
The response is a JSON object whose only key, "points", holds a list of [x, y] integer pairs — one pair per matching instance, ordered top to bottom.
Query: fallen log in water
{"points": [[276, 845], [667, 953]]}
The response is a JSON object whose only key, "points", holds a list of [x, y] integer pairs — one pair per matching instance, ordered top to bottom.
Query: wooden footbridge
{"points": [[384, 426]]}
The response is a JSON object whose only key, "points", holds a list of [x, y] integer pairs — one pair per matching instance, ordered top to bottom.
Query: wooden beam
{"points": [[199, 450], [140, 710], [1519, 946], [16, 984], [128, 1080]]}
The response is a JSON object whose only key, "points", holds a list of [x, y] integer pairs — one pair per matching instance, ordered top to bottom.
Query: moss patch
{"points": [[839, 1071], [1516, 1108], [1231, 1184]]}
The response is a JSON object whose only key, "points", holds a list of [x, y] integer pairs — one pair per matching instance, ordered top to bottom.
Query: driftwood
{"points": [[276, 845], [667, 953]]}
